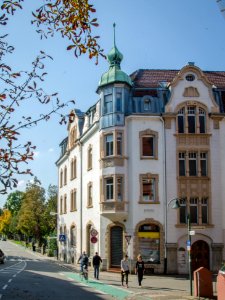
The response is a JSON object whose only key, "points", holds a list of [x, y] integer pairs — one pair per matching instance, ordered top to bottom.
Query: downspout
{"points": [[164, 195], [81, 197]]}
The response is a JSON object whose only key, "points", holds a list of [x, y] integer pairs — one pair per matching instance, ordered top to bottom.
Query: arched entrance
{"points": [[116, 239], [200, 255]]}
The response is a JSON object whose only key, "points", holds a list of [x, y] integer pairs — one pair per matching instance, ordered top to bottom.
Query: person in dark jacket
{"points": [[83, 260], [96, 264], [139, 269]]}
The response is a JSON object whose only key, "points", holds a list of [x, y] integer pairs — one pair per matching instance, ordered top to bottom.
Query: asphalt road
{"points": [[27, 276]]}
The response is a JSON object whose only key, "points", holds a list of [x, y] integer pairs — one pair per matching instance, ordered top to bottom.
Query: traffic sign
{"points": [[94, 232], [192, 232], [62, 237], [94, 239], [188, 243], [188, 248]]}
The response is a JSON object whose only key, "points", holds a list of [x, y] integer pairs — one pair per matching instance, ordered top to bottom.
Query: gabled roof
{"points": [[144, 78]]}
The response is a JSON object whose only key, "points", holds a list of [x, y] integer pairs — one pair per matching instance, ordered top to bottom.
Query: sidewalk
{"points": [[155, 287]]}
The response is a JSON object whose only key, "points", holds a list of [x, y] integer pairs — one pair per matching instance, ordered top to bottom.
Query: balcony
{"points": [[114, 210]]}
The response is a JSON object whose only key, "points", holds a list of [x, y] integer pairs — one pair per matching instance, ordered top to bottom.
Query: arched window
{"points": [[191, 119], [89, 158], [65, 176], [61, 178], [65, 204], [61, 205], [73, 236]]}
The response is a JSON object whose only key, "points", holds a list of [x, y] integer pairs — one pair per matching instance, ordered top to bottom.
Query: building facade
{"points": [[153, 137]]}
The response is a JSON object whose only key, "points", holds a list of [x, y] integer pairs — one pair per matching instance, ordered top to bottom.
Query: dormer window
{"points": [[147, 105]]}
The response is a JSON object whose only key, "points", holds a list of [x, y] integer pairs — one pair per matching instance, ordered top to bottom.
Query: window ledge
{"points": [[149, 157], [149, 202], [89, 206], [196, 226]]}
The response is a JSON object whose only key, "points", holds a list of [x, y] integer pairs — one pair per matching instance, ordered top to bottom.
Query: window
{"points": [[190, 77], [118, 100], [108, 101], [147, 105], [191, 119], [180, 120], [73, 136], [119, 143], [109, 144], [148, 144], [89, 160], [192, 160], [195, 162], [203, 163], [73, 168], [182, 169], [65, 176], [61, 178], [109, 188], [113, 188], [119, 188], [149, 188], [89, 195], [73, 200], [61, 205], [65, 205], [197, 209], [194, 210], [204, 210], [183, 212], [73, 236]]}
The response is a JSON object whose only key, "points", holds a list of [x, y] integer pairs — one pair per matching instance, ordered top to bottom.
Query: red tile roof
{"points": [[151, 78]]}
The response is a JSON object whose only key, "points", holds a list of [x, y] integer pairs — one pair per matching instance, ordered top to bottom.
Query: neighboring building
{"points": [[153, 136]]}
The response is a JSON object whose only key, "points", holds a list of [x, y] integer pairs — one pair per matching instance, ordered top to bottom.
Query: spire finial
{"points": [[114, 26]]}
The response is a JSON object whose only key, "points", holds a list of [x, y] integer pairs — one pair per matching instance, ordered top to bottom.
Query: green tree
{"points": [[14, 202], [51, 206], [30, 218], [5, 220]]}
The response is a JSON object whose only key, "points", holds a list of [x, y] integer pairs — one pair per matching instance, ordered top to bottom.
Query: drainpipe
{"points": [[164, 194], [81, 197]]}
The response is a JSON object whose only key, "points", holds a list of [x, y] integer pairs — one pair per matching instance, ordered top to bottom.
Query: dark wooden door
{"points": [[116, 246], [200, 255]]}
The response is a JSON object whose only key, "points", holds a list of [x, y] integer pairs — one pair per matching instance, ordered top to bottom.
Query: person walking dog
{"points": [[96, 264], [139, 269], [124, 270]]}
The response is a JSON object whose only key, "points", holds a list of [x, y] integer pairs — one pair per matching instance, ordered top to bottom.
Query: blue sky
{"points": [[151, 34]]}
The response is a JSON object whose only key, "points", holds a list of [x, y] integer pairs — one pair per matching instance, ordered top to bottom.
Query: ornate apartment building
{"points": [[153, 136]]}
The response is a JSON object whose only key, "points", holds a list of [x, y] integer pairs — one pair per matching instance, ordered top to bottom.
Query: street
{"points": [[25, 275]]}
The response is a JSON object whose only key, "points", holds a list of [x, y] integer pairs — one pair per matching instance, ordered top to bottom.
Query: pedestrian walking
{"points": [[83, 260], [96, 264], [139, 269], [124, 270]]}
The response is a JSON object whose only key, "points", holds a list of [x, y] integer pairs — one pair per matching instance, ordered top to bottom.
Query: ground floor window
{"points": [[149, 243]]}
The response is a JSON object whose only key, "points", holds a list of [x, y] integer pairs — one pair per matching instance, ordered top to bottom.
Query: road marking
{"points": [[14, 275], [9, 280], [5, 287], [0, 296]]}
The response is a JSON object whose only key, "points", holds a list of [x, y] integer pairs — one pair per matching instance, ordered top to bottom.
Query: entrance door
{"points": [[116, 246], [200, 255]]}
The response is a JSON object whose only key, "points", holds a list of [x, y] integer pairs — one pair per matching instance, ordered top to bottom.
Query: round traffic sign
{"points": [[94, 232], [94, 239]]}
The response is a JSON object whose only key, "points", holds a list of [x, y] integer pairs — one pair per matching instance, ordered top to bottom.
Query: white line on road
{"points": [[14, 275], [10, 280], [5, 286], [0, 296]]}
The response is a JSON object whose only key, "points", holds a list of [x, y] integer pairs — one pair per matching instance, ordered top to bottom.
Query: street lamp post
{"points": [[176, 205]]}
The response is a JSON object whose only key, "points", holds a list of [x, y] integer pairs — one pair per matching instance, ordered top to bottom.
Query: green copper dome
{"points": [[114, 74]]}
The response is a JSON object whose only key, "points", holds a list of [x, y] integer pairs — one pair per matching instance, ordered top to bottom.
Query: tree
{"points": [[72, 20], [14, 201], [51, 206], [30, 218], [5, 220]]}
